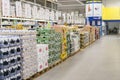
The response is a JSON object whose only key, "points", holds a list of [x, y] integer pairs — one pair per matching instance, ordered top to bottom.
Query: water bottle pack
{"points": [[9, 41], [18, 47], [29, 55], [10, 57], [12, 73]]}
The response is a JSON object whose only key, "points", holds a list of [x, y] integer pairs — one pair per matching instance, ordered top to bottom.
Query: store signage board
{"points": [[93, 9], [97, 9], [89, 10]]}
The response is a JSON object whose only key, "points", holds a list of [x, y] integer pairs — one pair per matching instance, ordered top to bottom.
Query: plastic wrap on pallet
{"points": [[63, 30], [49, 36], [75, 38], [85, 38], [29, 51], [29, 54], [43, 56], [10, 57]]}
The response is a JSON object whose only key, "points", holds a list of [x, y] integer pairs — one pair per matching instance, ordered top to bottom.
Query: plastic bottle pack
{"points": [[10, 58]]}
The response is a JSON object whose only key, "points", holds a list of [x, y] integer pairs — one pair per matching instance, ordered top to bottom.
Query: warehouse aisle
{"points": [[100, 61]]}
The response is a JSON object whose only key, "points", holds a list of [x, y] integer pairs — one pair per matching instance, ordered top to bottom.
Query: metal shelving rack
{"points": [[40, 3]]}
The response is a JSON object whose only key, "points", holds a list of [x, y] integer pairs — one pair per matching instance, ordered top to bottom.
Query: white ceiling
{"points": [[111, 3], [71, 5]]}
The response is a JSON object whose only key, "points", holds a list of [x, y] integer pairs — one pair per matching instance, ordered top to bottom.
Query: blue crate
{"points": [[4, 41], [14, 41], [18, 41], [18, 50], [12, 51], [4, 53], [18, 59], [12, 61], [4, 63], [18, 68], [13, 71], [4, 74], [18, 76]]}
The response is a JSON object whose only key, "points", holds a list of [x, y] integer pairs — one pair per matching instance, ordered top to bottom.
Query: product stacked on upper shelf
{"points": [[53, 40], [29, 52], [10, 57]]}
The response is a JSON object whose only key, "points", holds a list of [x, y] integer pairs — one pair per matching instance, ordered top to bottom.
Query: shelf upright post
{"points": [[45, 3], [0, 14]]}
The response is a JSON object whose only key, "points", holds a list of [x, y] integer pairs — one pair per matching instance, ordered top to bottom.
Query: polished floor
{"points": [[100, 61]]}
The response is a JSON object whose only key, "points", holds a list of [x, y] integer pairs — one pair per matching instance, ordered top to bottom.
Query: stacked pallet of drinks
{"points": [[63, 30], [91, 31], [97, 33], [92, 34], [53, 39], [75, 39], [84, 39], [69, 44], [29, 52], [43, 56], [10, 58]]}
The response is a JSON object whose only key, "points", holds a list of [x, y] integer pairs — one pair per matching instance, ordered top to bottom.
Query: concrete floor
{"points": [[100, 61]]}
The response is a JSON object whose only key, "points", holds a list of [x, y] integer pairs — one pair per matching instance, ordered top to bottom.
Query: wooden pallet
{"points": [[92, 42], [86, 45], [75, 53], [51, 66], [45, 70]]}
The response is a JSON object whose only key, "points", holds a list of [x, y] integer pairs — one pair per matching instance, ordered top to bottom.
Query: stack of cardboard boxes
{"points": [[63, 30], [91, 31], [97, 33], [84, 38], [53, 39], [29, 52], [43, 56], [10, 57]]}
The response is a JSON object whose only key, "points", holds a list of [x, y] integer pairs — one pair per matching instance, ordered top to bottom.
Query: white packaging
{"points": [[5, 7], [18, 8], [12, 11], [28, 11], [34, 11], [38, 14], [57, 16], [64, 17], [42, 51], [40, 66]]}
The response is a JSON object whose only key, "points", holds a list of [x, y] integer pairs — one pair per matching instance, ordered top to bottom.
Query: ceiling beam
{"points": [[80, 2], [71, 5]]}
